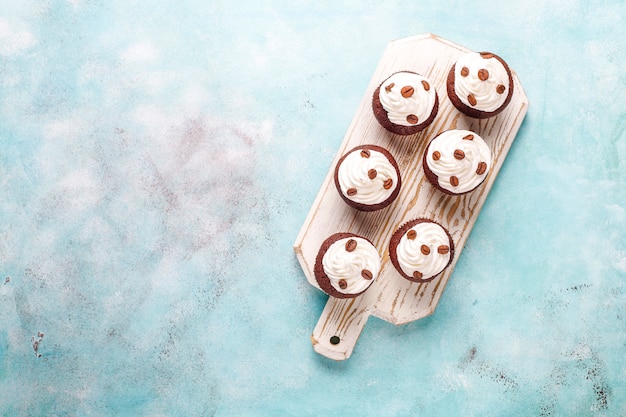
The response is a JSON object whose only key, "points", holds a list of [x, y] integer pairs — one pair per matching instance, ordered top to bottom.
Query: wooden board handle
{"points": [[391, 297], [339, 327]]}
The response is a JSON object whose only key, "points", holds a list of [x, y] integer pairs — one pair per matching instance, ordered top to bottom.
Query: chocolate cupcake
{"points": [[480, 84], [405, 103], [457, 161], [367, 178], [421, 249], [346, 265]]}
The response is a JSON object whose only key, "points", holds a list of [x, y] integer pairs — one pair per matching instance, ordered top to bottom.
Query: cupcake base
{"points": [[471, 111], [383, 118], [433, 179], [369, 207], [395, 241], [323, 281]]}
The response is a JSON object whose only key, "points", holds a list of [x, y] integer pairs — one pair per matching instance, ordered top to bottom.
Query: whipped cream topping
{"points": [[481, 81], [408, 98], [460, 158], [366, 176], [424, 250], [351, 266]]}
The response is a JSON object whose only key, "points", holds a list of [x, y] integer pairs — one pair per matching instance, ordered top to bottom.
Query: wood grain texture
{"points": [[391, 297]]}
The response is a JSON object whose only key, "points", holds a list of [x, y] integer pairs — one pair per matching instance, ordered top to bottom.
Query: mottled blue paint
{"points": [[157, 160]]}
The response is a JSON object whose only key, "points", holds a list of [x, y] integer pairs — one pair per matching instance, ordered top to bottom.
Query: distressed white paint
{"points": [[391, 297]]}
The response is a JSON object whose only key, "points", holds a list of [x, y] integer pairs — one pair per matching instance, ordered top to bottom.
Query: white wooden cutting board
{"points": [[391, 297]]}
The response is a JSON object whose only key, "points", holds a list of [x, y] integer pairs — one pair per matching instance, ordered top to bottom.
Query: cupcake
{"points": [[480, 85], [405, 103], [457, 161], [367, 178], [421, 249], [346, 265]]}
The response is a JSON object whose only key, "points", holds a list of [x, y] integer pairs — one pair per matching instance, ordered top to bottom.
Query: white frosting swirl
{"points": [[488, 98], [420, 103], [466, 169], [354, 173], [409, 251], [341, 264]]}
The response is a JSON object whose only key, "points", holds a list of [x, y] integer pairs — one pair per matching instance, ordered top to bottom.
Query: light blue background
{"points": [[158, 159]]}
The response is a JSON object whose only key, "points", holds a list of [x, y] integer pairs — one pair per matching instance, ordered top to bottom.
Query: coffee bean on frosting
{"points": [[486, 55], [464, 71], [483, 74], [425, 85], [389, 87], [500, 89], [407, 91], [472, 99], [411, 118], [468, 137], [365, 153], [459, 154], [436, 155], [482, 167], [372, 174], [454, 181], [388, 183], [351, 192], [411, 234], [350, 245], [425, 249], [443, 249], [367, 274], [417, 275], [343, 284]]}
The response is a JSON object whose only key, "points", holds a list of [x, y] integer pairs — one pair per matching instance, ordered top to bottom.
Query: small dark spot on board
{"points": [[7, 280], [334, 340]]}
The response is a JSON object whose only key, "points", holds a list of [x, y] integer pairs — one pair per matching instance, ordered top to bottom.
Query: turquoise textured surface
{"points": [[158, 159]]}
